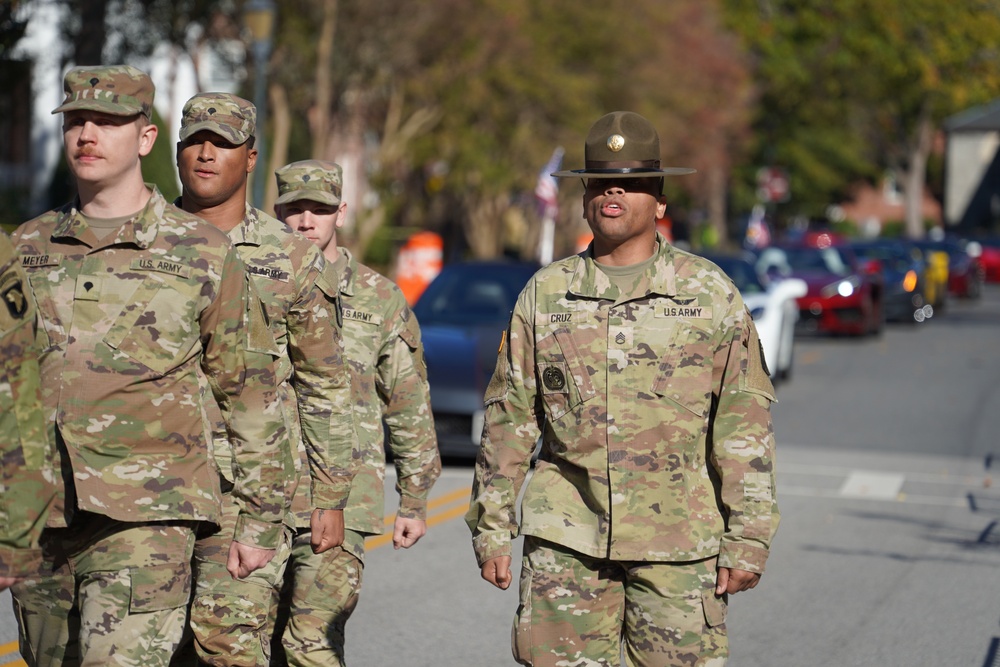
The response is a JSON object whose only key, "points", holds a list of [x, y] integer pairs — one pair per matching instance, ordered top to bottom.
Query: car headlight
{"points": [[844, 287], [757, 313]]}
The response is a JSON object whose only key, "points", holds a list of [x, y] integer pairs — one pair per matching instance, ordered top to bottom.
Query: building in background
{"points": [[972, 170]]}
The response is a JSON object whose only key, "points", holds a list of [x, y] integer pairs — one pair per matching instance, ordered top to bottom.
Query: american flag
{"points": [[547, 189], [758, 233]]}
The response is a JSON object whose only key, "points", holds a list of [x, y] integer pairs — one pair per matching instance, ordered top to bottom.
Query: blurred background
{"points": [[870, 117]]}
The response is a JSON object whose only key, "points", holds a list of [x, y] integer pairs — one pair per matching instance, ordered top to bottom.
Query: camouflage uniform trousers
{"points": [[108, 593], [320, 593], [577, 610], [228, 624]]}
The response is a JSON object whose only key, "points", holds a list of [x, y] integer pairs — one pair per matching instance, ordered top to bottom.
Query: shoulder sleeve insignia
{"points": [[15, 300]]}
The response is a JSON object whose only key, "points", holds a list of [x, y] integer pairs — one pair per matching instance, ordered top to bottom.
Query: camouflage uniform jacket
{"points": [[138, 332], [388, 380], [313, 383], [654, 411], [27, 488]]}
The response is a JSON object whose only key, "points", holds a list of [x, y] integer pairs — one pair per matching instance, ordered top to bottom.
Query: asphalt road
{"points": [[889, 547]]}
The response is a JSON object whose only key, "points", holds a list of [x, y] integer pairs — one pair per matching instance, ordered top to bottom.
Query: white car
{"points": [[774, 309]]}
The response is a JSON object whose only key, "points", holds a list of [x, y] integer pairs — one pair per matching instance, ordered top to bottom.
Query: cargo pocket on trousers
{"points": [[160, 587], [715, 608], [520, 634]]}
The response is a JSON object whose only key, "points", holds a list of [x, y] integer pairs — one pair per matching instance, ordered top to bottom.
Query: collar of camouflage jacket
{"points": [[140, 230], [248, 231], [348, 273], [660, 278]]}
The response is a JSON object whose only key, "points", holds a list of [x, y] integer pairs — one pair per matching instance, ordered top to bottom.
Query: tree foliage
{"points": [[851, 88]]}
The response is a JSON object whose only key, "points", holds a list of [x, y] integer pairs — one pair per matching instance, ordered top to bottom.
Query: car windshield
{"points": [[894, 258], [788, 260], [742, 274], [471, 293]]}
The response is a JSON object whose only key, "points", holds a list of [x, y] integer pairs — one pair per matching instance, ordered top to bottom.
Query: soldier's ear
{"points": [[147, 137], [251, 159]]}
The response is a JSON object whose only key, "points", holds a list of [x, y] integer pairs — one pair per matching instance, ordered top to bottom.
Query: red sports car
{"points": [[989, 259], [845, 294]]}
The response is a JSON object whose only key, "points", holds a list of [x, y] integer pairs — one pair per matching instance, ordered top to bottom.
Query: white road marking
{"points": [[869, 484]]}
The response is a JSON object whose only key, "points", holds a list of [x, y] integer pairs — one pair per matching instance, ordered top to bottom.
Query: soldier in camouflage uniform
{"points": [[214, 156], [146, 321], [388, 382], [28, 486], [653, 496]]}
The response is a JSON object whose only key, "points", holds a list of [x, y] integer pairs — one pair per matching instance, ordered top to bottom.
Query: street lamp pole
{"points": [[259, 18]]}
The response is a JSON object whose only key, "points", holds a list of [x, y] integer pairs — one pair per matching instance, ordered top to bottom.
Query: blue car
{"points": [[903, 275], [463, 314]]}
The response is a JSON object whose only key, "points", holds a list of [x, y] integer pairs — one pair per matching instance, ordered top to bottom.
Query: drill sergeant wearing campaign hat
{"points": [[214, 157], [144, 315], [388, 386], [653, 495]]}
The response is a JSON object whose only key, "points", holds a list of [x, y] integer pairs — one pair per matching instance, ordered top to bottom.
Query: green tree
{"points": [[850, 88], [447, 109]]}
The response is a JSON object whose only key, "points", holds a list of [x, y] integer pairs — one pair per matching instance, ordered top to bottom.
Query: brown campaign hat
{"points": [[119, 90], [229, 116], [622, 144], [314, 180]]}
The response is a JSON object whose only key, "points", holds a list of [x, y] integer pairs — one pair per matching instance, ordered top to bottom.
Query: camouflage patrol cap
{"points": [[119, 90], [228, 116], [622, 144], [315, 180]]}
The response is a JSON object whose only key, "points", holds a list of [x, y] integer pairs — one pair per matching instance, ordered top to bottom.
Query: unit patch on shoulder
{"points": [[13, 296]]}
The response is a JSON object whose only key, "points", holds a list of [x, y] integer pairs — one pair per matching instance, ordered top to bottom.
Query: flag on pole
{"points": [[547, 189], [758, 233]]}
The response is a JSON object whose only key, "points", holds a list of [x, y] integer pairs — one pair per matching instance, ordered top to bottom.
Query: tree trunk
{"points": [[88, 47], [324, 90], [281, 119], [916, 175], [717, 203], [483, 224]]}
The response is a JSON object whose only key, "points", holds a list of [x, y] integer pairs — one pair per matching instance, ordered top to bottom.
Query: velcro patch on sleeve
{"points": [[755, 376]]}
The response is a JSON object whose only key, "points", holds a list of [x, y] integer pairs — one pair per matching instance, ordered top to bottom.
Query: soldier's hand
{"points": [[327, 528], [407, 532], [244, 559], [497, 572], [730, 580], [7, 582]]}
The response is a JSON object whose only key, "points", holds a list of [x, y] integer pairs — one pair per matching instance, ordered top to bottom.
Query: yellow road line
{"points": [[432, 519], [8, 651]]}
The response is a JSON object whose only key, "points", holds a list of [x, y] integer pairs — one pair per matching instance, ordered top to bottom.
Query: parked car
{"points": [[989, 258], [965, 273], [935, 274], [903, 277], [845, 296], [773, 306], [463, 314]]}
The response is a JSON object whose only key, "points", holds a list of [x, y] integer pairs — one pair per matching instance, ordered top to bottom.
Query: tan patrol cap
{"points": [[119, 90], [231, 117], [315, 180]]}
